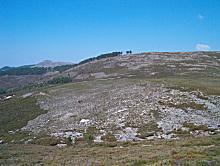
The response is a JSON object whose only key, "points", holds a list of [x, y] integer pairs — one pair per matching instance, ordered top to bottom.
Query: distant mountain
{"points": [[49, 63], [5, 68], [36, 69], [45, 71]]}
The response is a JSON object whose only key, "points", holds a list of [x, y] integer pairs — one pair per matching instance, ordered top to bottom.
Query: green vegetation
{"points": [[129, 52], [102, 56], [63, 67], [24, 70], [29, 70], [60, 80], [206, 85], [76, 86], [3, 91], [184, 106], [16, 112], [155, 113], [193, 127], [92, 130], [148, 130], [181, 133], [18, 137], [108, 137], [89, 138], [48, 141], [187, 151], [139, 163]]}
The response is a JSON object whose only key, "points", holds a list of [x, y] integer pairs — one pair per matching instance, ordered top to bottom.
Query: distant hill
{"points": [[49, 63], [5, 68], [38, 69], [45, 71]]}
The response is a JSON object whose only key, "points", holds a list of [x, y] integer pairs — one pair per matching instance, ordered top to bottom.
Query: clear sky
{"points": [[72, 30]]}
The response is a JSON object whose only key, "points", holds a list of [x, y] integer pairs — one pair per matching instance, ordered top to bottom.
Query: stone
{"points": [[27, 95], [84, 121], [61, 145]]}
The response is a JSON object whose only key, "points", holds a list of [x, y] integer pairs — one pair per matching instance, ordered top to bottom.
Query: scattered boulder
{"points": [[27, 95], [84, 121], [61, 145]]}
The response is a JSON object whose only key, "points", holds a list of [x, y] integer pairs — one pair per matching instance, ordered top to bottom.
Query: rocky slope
{"points": [[135, 97]]}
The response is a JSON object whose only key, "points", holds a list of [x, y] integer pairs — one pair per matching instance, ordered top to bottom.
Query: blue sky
{"points": [[72, 30]]}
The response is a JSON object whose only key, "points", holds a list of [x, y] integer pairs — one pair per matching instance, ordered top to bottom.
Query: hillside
{"points": [[49, 63], [46, 72], [31, 75], [153, 100]]}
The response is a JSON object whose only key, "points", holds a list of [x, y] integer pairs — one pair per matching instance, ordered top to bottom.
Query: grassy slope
{"points": [[207, 85], [15, 113], [189, 151]]}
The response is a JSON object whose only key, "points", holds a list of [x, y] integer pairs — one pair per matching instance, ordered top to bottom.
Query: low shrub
{"points": [[109, 137], [89, 138], [47, 141]]}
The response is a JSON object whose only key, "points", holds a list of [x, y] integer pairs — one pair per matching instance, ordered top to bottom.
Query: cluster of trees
{"points": [[129, 52], [113, 54], [108, 55], [63, 67], [24, 71], [60, 80], [3, 91]]}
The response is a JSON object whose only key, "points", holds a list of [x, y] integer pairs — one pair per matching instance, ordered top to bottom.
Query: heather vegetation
{"points": [[60, 80]]}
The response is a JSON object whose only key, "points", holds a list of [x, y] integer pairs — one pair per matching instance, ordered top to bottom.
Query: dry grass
{"points": [[207, 85], [188, 151]]}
